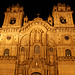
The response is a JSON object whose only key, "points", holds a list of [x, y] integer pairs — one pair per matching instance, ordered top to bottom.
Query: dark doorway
{"points": [[36, 73]]}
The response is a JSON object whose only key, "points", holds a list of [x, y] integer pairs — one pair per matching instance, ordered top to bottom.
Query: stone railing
{"points": [[8, 57], [68, 58]]}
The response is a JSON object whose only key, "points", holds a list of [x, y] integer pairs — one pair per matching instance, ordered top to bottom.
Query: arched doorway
{"points": [[36, 73]]}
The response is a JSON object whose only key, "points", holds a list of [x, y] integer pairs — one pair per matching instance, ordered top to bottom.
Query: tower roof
{"points": [[15, 8]]}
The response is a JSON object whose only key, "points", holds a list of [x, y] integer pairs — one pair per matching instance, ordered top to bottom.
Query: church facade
{"points": [[37, 47]]}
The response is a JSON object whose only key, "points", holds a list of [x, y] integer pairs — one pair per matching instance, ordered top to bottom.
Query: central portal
{"points": [[36, 73]]}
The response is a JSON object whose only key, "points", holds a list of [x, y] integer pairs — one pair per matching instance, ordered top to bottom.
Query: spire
{"points": [[49, 15], [26, 16], [26, 19], [50, 21]]}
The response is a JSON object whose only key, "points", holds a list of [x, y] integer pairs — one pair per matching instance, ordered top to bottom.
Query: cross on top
{"points": [[38, 14]]}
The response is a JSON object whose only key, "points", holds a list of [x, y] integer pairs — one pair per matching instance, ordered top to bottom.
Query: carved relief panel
{"points": [[36, 36], [37, 39], [50, 39], [65, 39], [25, 40], [24, 48], [24, 53], [51, 54]]}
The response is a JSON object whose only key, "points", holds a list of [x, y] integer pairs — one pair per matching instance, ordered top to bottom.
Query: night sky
{"points": [[31, 8]]}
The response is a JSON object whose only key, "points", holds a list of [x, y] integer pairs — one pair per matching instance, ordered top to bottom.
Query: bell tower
{"points": [[62, 15], [13, 16]]}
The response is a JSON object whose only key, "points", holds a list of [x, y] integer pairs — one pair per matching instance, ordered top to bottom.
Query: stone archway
{"points": [[36, 73]]}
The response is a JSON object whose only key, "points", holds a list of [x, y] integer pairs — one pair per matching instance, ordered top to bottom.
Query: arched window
{"points": [[22, 49], [37, 49], [51, 49], [6, 52], [68, 52]]}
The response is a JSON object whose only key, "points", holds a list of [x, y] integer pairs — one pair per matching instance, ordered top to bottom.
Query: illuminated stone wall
{"points": [[37, 46]]}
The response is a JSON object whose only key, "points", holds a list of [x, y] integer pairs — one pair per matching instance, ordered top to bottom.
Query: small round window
{"points": [[66, 37]]}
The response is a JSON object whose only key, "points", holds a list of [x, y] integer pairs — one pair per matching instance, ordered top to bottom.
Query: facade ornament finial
{"points": [[18, 4], [49, 15], [26, 16], [26, 19], [50, 20]]}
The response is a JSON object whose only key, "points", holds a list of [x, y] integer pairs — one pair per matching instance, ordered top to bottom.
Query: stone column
{"points": [[16, 71], [45, 71], [26, 72], [48, 72]]}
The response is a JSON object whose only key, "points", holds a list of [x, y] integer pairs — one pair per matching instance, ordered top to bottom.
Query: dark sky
{"points": [[31, 8]]}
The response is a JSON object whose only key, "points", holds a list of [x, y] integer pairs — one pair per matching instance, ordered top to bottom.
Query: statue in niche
{"points": [[37, 34], [37, 49], [23, 54]]}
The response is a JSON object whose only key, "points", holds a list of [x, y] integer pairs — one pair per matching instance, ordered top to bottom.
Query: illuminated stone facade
{"points": [[37, 47]]}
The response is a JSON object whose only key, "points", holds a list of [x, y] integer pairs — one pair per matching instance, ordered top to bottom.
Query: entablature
{"points": [[8, 57], [65, 58]]}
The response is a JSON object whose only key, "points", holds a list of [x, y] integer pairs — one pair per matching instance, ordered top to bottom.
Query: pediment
{"points": [[37, 22]]}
